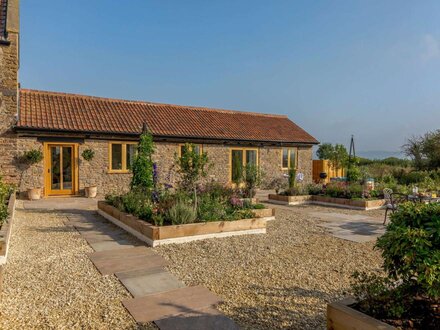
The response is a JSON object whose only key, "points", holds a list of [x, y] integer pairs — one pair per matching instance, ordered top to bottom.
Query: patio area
{"points": [[282, 279]]}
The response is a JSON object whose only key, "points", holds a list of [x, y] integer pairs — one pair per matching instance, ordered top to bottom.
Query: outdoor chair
{"points": [[393, 201]]}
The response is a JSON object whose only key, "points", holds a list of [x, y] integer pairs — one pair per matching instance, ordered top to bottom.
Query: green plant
{"points": [[88, 154], [32, 156], [142, 166], [191, 166], [292, 177], [252, 179], [314, 189], [5, 192], [138, 203], [258, 206], [211, 208], [182, 213], [411, 247], [377, 295]]}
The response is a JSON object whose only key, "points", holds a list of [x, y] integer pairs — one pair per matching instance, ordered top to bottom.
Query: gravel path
{"points": [[283, 279], [49, 281]]}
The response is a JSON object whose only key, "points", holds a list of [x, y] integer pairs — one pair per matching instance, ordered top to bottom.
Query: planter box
{"points": [[290, 200], [328, 201], [357, 204], [5, 235], [159, 235], [342, 317]]}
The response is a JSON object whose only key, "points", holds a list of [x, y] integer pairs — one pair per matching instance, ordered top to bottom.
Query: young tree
{"points": [[325, 151], [339, 157], [142, 166], [192, 166], [252, 178]]}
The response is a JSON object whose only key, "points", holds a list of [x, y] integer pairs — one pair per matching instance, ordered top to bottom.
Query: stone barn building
{"points": [[63, 125]]}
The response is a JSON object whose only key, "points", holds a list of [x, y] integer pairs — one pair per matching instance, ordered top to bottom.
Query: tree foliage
{"points": [[424, 150], [337, 154], [142, 166], [192, 166]]}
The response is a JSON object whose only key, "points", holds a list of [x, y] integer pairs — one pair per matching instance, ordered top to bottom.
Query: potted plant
{"points": [[28, 159], [90, 190]]}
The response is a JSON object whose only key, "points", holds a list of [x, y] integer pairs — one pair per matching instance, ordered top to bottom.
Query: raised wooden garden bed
{"points": [[357, 204], [5, 235], [158, 235], [340, 316]]}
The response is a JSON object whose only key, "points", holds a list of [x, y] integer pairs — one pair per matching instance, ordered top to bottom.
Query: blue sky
{"points": [[368, 68]]}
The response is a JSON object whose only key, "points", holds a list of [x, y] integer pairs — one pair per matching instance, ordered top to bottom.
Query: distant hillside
{"points": [[371, 154]]}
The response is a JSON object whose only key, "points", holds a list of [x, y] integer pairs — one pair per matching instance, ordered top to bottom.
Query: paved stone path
{"points": [[352, 227], [359, 228], [158, 295]]}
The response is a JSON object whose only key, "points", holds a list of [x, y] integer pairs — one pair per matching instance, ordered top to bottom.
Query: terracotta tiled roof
{"points": [[3, 13], [71, 112]]}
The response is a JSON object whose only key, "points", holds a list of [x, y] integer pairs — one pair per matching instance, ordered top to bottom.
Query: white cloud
{"points": [[431, 47]]}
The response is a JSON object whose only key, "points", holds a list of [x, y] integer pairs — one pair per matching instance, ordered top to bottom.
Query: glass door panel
{"points": [[237, 165], [67, 168], [61, 169], [55, 180]]}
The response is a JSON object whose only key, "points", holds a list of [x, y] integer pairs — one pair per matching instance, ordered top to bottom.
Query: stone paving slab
{"points": [[111, 245], [123, 253], [116, 265], [147, 281], [159, 306], [204, 319]]}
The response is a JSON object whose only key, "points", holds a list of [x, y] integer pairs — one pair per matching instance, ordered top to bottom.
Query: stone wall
{"points": [[9, 64], [95, 172]]}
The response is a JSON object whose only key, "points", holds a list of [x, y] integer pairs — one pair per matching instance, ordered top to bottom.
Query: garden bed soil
{"points": [[354, 204], [5, 235], [159, 235], [340, 316]]}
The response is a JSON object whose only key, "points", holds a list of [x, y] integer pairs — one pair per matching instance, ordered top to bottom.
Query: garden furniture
{"points": [[393, 200]]}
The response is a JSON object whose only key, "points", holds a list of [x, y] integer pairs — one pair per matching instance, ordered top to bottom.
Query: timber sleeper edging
{"points": [[353, 204], [159, 235]]}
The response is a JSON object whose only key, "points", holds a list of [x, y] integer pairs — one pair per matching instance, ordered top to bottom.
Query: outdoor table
{"points": [[423, 199]]}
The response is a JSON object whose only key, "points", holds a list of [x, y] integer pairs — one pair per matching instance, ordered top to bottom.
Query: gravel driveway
{"points": [[283, 279], [279, 280], [49, 282]]}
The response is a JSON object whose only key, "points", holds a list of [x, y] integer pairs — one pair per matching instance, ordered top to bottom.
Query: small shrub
{"points": [[88, 154], [33, 156], [142, 166], [314, 189], [336, 189], [258, 206], [181, 213], [411, 247]]}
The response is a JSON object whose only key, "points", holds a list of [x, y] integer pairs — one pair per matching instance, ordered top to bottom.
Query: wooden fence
{"points": [[320, 166]]}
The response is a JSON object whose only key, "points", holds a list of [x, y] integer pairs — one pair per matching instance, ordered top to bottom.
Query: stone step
{"points": [[123, 253], [123, 264], [147, 281], [159, 306], [204, 319]]}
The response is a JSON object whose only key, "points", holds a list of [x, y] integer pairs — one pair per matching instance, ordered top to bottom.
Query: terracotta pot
{"points": [[91, 191], [34, 193]]}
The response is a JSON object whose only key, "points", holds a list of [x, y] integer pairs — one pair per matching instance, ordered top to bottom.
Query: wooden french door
{"points": [[60, 169]]}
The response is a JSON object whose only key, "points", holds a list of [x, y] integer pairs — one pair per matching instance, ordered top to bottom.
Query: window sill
{"points": [[118, 172]]}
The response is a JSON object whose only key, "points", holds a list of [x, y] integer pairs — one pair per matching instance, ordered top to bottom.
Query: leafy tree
{"points": [[413, 148], [325, 151], [337, 154], [339, 157], [142, 166], [192, 166], [252, 178]]}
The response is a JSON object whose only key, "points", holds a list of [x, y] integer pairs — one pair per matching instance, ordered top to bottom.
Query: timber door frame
{"points": [[47, 169]]}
